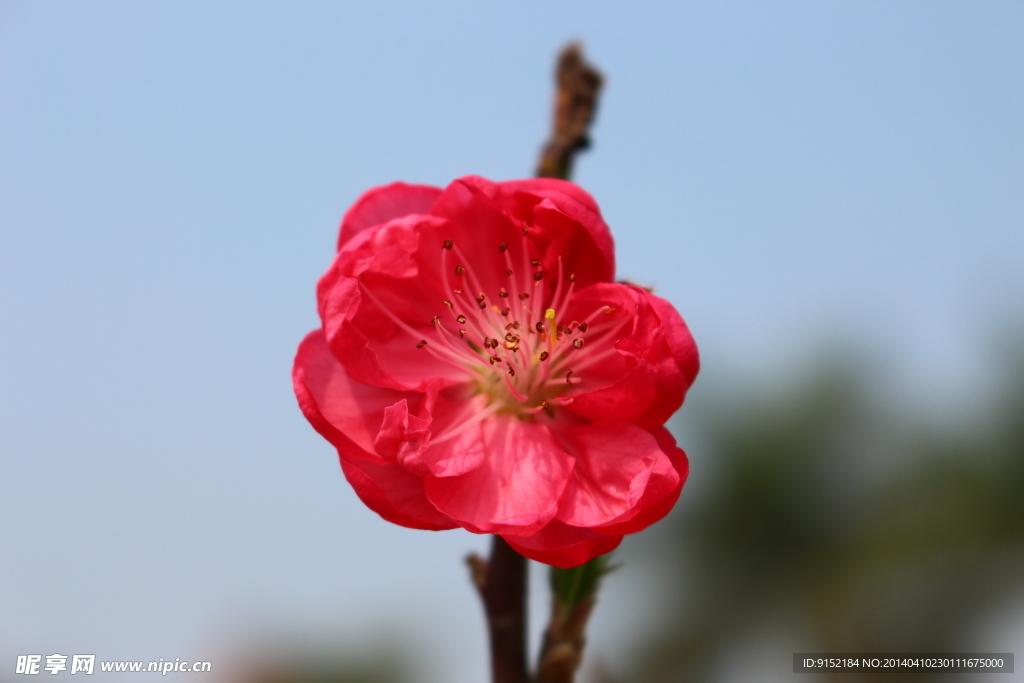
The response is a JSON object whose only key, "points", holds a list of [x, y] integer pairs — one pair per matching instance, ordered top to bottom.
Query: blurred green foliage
{"points": [[841, 527]]}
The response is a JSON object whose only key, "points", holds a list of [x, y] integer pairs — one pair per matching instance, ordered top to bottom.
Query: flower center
{"points": [[515, 344]]}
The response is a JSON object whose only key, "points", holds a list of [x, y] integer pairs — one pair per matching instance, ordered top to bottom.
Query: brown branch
{"points": [[579, 85], [502, 585], [563, 642]]}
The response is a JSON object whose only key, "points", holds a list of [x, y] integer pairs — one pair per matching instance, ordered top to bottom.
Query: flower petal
{"points": [[574, 201], [384, 203], [560, 222], [378, 299], [654, 361], [345, 412], [614, 463], [516, 488], [662, 490], [394, 494], [562, 545]]}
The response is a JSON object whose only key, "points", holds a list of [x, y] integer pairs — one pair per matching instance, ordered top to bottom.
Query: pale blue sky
{"points": [[171, 178]]}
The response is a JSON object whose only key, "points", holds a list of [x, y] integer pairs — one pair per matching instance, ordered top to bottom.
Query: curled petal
{"points": [[384, 203], [559, 222], [377, 301], [649, 368], [347, 413], [615, 461], [516, 487], [662, 490], [394, 494], [562, 545]]}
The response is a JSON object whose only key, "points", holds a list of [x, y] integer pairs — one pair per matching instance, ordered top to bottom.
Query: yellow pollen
{"points": [[549, 314]]}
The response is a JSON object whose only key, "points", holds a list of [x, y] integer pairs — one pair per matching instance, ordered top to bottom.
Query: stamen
{"points": [[448, 244], [502, 247], [535, 262], [508, 271], [538, 275], [572, 277], [502, 293], [524, 296], [448, 304], [461, 319], [436, 320], [583, 327], [578, 343], [421, 344], [544, 355]]}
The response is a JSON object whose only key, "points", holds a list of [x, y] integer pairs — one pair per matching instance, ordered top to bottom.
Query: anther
{"points": [[448, 244], [502, 247], [535, 262], [460, 269], [508, 271], [538, 275], [572, 277], [458, 291], [502, 293], [524, 296], [481, 297], [447, 303], [482, 304], [505, 311], [609, 311], [461, 319], [436, 320], [540, 326], [583, 327], [462, 333], [511, 337], [578, 343], [421, 344], [511, 346], [543, 355], [511, 371], [568, 377], [545, 405]]}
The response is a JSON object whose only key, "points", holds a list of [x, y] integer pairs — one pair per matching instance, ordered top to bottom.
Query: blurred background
{"points": [[831, 194]]}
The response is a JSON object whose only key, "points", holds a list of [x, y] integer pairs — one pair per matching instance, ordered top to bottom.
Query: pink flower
{"points": [[478, 367]]}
